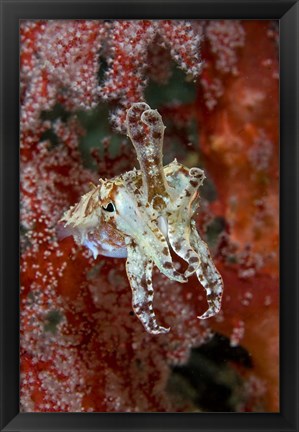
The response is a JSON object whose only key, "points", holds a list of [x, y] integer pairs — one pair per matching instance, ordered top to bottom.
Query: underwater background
{"points": [[215, 84]]}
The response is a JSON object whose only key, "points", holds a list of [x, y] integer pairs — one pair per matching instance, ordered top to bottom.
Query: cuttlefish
{"points": [[142, 215]]}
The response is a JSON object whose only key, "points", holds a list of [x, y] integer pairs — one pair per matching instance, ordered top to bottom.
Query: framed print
{"points": [[149, 207]]}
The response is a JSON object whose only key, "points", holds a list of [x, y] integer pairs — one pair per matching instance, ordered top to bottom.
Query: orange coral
{"points": [[239, 140]]}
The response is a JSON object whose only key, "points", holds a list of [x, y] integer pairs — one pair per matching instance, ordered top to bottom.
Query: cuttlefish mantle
{"points": [[142, 215]]}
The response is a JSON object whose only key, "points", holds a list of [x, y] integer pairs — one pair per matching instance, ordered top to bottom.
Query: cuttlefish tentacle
{"points": [[146, 131], [179, 222], [142, 226], [161, 253], [139, 272], [207, 275]]}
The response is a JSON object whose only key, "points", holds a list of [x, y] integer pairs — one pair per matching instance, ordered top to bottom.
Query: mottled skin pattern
{"points": [[144, 213]]}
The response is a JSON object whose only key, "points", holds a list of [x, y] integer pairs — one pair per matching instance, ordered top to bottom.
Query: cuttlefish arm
{"points": [[146, 131], [140, 223], [179, 227], [154, 245], [139, 272], [207, 274]]}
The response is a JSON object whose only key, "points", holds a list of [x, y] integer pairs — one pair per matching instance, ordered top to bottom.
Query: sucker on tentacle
{"points": [[143, 215]]}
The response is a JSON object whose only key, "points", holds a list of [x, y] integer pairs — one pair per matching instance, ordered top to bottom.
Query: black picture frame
{"points": [[287, 12]]}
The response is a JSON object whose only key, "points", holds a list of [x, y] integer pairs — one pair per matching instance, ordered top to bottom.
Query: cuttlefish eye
{"points": [[109, 208]]}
